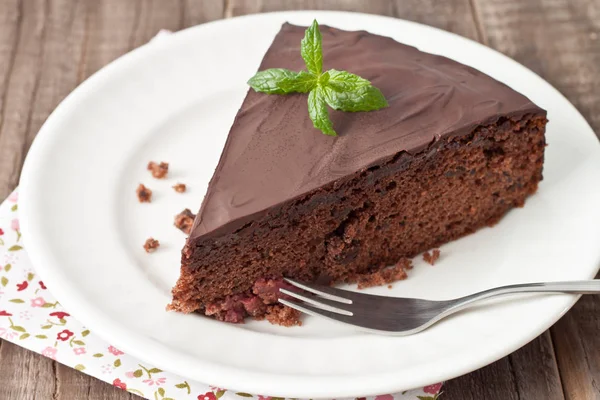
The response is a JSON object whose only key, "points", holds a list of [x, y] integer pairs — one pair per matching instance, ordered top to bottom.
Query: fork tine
{"points": [[324, 291], [320, 302], [317, 312]]}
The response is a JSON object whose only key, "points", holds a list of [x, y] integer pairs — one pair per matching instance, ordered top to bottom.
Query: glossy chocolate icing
{"points": [[274, 154]]}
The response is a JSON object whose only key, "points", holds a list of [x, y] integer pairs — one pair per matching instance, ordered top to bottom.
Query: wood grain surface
{"points": [[48, 47]]}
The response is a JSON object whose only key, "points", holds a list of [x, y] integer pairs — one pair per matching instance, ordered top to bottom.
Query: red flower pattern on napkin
{"points": [[38, 302], [60, 314], [64, 335], [79, 350], [114, 351], [50, 352], [157, 382], [120, 384], [433, 389], [207, 396]]}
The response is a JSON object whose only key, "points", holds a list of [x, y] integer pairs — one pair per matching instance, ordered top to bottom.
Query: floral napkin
{"points": [[33, 319]]}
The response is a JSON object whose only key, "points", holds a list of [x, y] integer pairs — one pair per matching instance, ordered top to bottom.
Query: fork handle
{"points": [[572, 287]]}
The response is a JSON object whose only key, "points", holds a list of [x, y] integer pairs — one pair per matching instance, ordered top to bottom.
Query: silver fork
{"points": [[403, 316]]}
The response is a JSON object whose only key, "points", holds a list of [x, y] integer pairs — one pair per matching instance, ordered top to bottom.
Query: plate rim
{"points": [[227, 376]]}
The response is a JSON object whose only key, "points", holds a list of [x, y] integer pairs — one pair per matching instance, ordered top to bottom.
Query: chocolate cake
{"points": [[454, 151]]}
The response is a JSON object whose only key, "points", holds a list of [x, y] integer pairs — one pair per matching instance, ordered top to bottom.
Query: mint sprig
{"points": [[340, 90]]}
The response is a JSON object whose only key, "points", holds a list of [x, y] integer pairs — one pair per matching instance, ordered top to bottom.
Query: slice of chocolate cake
{"points": [[453, 152]]}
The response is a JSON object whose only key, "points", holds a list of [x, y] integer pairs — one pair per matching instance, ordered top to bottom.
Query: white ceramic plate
{"points": [[175, 100]]}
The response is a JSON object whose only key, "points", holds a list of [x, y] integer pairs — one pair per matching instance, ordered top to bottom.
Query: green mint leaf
{"points": [[311, 49], [282, 81], [343, 81], [303, 82], [349, 92], [363, 98], [317, 110]]}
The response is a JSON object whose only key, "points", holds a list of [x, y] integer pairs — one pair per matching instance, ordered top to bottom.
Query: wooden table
{"points": [[48, 47]]}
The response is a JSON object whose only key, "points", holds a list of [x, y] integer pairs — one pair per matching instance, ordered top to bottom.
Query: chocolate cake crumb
{"points": [[160, 170], [180, 187], [144, 194], [184, 221], [151, 245], [432, 257], [405, 263], [385, 276], [389, 286], [268, 290], [254, 306], [284, 316]]}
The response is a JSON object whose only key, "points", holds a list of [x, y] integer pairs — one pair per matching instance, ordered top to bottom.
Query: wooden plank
{"points": [[242, 7], [195, 12], [152, 16], [454, 16], [10, 24], [116, 27], [112, 30], [558, 39], [62, 44], [20, 86], [576, 341], [535, 370], [529, 373], [25, 375], [495, 381], [74, 385]]}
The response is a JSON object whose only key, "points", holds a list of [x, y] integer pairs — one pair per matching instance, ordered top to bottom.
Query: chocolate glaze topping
{"points": [[274, 154]]}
